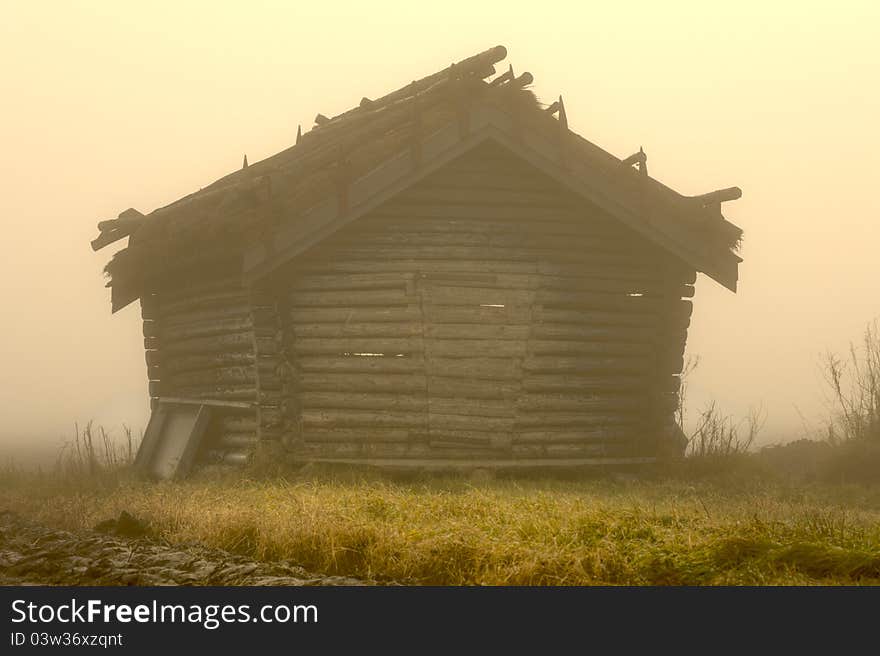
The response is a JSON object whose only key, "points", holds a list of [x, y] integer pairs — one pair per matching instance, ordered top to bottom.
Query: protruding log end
{"points": [[497, 54], [320, 119], [719, 196]]}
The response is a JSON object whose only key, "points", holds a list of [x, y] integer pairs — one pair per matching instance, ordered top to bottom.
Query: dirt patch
{"points": [[31, 554]]}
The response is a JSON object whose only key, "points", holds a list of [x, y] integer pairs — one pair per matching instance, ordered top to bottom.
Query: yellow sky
{"points": [[109, 105]]}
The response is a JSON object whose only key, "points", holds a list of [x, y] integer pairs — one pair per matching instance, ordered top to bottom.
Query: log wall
{"points": [[483, 314], [208, 338]]}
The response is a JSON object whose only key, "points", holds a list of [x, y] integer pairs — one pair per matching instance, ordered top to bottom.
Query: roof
{"points": [[271, 211]]}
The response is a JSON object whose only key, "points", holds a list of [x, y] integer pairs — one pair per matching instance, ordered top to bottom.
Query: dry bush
{"points": [[854, 382], [719, 435], [95, 455]]}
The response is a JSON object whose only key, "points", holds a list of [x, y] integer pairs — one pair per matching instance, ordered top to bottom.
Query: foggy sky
{"points": [[114, 105]]}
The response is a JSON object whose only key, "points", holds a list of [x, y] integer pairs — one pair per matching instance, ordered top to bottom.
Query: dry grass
{"points": [[451, 531]]}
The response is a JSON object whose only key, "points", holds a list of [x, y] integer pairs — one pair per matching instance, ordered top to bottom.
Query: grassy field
{"points": [[607, 530]]}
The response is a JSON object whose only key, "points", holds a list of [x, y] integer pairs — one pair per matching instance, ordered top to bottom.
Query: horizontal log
{"points": [[462, 177], [498, 198], [418, 211], [547, 224], [541, 239], [500, 253], [321, 264], [664, 271], [343, 282], [195, 285], [353, 298], [604, 301], [201, 302], [149, 306], [209, 314], [350, 314], [508, 314], [676, 314], [205, 328], [337, 330], [476, 331], [580, 332], [235, 342], [378, 345], [570, 347], [475, 348], [175, 363], [361, 364], [569, 364], [475, 367], [211, 377], [357, 382], [599, 384], [449, 387], [223, 393], [362, 401], [635, 404], [462, 405], [338, 418], [538, 420], [450, 422], [237, 423], [361, 435], [575, 436], [448, 437], [237, 441], [361, 450], [549, 450], [237, 458]]}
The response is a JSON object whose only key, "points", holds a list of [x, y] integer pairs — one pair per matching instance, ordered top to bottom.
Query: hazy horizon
{"points": [[109, 107]]}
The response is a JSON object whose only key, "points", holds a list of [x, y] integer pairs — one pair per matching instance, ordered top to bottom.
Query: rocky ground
{"points": [[120, 552]]}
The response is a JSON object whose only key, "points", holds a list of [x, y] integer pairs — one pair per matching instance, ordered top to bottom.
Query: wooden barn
{"points": [[443, 276]]}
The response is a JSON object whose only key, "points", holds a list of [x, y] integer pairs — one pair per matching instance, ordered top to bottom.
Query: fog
{"points": [[107, 106]]}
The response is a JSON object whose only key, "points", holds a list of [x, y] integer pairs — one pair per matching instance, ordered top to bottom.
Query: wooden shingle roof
{"points": [[273, 210]]}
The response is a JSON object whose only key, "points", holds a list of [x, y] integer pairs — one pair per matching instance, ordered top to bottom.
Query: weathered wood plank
{"points": [[347, 282], [351, 298], [351, 314], [479, 314], [215, 326], [339, 330], [476, 331], [229, 343], [378, 345], [475, 348], [180, 363], [361, 364], [588, 365], [489, 368], [218, 376], [357, 382], [448, 386], [362, 401], [630, 403], [338, 418], [362, 435]]}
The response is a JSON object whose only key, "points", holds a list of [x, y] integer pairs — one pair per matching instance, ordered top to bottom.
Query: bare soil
{"points": [[31, 554]]}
